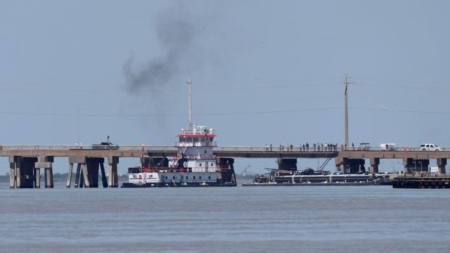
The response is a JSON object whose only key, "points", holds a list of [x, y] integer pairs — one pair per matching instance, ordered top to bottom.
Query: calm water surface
{"points": [[239, 219]]}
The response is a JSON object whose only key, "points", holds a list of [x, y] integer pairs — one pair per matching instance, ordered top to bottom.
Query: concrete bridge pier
{"points": [[45, 162], [374, 162], [441, 162], [339, 163], [93, 164], [347, 165], [413, 165], [22, 171], [87, 172], [12, 173], [69, 174], [81, 176], [113, 180], [77, 182]]}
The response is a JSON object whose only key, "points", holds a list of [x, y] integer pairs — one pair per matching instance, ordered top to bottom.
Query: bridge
{"points": [[27, 160]]}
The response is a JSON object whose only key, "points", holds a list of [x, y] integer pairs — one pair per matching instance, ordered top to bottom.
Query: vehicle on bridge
{"points": [[105, 146], [388, 146], [430, 147]]}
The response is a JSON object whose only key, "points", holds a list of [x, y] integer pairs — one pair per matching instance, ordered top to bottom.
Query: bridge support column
{"points": [[18, 161], [45, 162], [374, 162], [441, 162], [339, 163], [409, 164], [416, 165], [350, 166], [12, 172], [22, 173], [69, 174], [85, 175], [77, 176], [37, 178], [104, 179], [113, 180]]}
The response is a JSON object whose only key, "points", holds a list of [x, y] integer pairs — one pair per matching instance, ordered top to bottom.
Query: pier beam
{"points": [[374, 162], [441, 162]]}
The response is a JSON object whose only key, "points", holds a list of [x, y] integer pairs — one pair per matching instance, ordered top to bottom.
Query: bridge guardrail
{"points": [[223, 148]]}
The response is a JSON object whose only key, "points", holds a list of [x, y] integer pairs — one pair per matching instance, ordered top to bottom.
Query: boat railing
{"points": [[196, 144]]}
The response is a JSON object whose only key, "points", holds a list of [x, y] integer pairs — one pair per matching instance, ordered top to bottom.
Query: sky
{"points": [[263, 72]]}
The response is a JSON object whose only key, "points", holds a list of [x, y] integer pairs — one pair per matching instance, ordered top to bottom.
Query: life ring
{"points": [[185, 164]]}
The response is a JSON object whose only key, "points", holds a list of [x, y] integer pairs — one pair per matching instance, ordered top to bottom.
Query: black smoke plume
{"points": [[176, 31]]}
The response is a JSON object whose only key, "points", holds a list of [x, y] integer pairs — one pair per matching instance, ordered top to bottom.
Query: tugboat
{"points": [[194, 165]]}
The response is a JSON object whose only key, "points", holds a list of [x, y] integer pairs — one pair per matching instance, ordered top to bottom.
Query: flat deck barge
{"points": [[437, 181], [360, 183]]}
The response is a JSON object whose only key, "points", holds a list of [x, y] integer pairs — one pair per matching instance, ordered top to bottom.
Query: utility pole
{"points": [[189, 82], [346, 83]]}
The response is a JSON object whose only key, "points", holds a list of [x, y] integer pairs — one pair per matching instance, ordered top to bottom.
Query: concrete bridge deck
{"points": [[225, 151], [27, 160]]}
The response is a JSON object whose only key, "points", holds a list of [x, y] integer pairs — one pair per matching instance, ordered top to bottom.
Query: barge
{"points": [[309, 177]]}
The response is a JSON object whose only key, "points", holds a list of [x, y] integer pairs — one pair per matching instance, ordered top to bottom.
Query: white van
{"points": [[387, 146], [429, 147]]}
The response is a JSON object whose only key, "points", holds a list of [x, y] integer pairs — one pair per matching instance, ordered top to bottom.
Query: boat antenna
{"points": [[189, 82]]}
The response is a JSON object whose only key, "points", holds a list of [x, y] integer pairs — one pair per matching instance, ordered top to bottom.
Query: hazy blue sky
{"points": [[263, 72]]}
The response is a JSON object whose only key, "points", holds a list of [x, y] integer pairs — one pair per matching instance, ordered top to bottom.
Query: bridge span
{"points": [[27, 160]]}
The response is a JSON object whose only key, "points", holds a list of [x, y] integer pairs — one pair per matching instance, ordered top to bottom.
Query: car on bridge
{"points": [[105, 146], [429, 147]]}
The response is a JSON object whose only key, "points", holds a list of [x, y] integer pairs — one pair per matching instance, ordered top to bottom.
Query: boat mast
{"points": [[189, 82]]}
